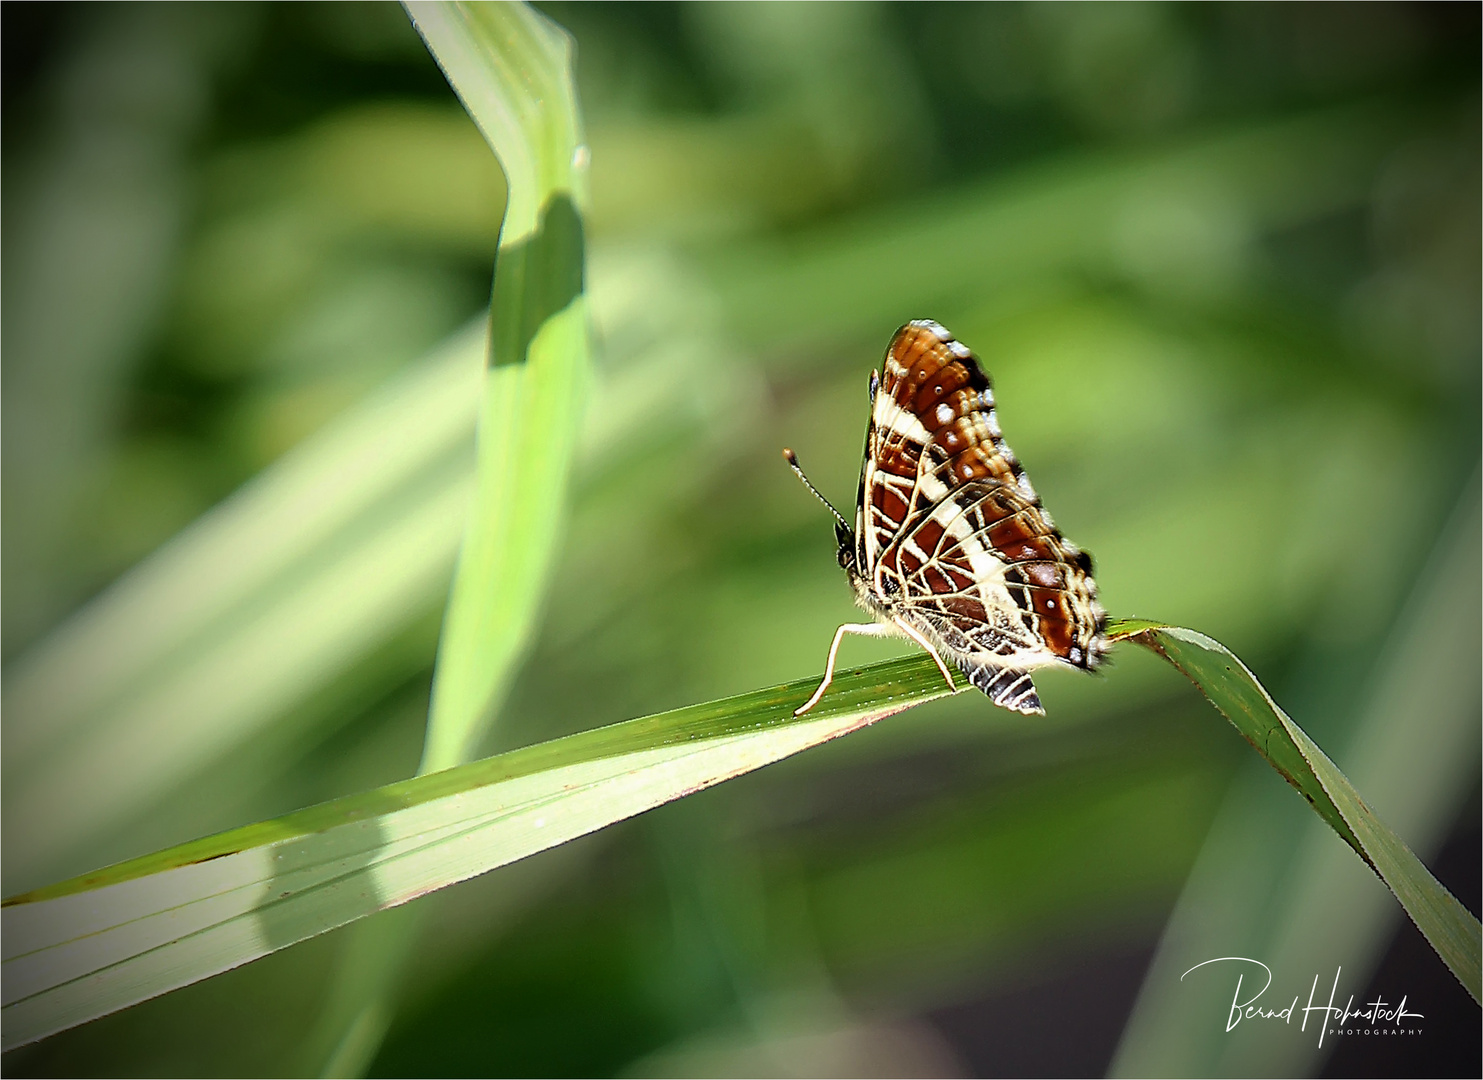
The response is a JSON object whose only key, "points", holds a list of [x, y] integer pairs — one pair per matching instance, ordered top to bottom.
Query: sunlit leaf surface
{"points": [[512, 69], [94, 944]]}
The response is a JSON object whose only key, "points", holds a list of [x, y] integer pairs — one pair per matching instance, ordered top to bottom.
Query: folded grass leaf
{"points": [[512, 68], [1450, 928]]}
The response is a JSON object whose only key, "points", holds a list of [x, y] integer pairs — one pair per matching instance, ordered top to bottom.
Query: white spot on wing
{"points": [[944, 413]]}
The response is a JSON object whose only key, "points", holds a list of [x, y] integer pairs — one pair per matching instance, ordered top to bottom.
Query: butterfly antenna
{"points": [[792, 459]]}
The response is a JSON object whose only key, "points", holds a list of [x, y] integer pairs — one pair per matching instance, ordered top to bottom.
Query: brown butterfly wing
{"points": [[952, 536]]}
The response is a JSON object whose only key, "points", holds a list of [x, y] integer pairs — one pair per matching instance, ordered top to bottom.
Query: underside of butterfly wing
{"points": [[951, 538]]}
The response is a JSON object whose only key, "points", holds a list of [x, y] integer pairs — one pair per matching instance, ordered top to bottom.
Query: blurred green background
{"points": [[1222, 262]]}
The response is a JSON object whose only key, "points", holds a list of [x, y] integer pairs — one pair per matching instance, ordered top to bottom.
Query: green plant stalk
{"points": [[512, 69], [527, 431]]}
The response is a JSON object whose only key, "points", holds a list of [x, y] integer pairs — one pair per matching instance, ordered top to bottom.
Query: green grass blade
{"points": [[512, 69], [1450, 928], [103, 941], [100, 942]]}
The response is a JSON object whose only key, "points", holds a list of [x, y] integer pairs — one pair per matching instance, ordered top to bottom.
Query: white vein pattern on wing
{"points": [[900, 425], [892, 426], [935, 492], [1004, 623], [1003, 627]]}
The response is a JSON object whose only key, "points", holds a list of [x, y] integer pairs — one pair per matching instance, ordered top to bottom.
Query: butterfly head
{"points": [[845, 537]]}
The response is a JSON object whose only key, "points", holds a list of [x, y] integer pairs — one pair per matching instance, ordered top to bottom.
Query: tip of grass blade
{"points": [[1123, 629]]}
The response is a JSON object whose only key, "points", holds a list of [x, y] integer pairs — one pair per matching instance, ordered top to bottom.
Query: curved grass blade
{"points": [[512, 69], [1231, 687], [1270, 882], [103, 941]]}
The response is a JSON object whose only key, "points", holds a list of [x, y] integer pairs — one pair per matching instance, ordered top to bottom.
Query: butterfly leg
{"points": [[864, 630], [916, 636]]}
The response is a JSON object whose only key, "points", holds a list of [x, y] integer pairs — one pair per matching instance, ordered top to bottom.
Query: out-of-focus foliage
{"points": [[1221, 260]]}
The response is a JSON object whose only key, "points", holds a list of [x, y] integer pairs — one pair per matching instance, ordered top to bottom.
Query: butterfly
{"points": [[951, 546]]}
